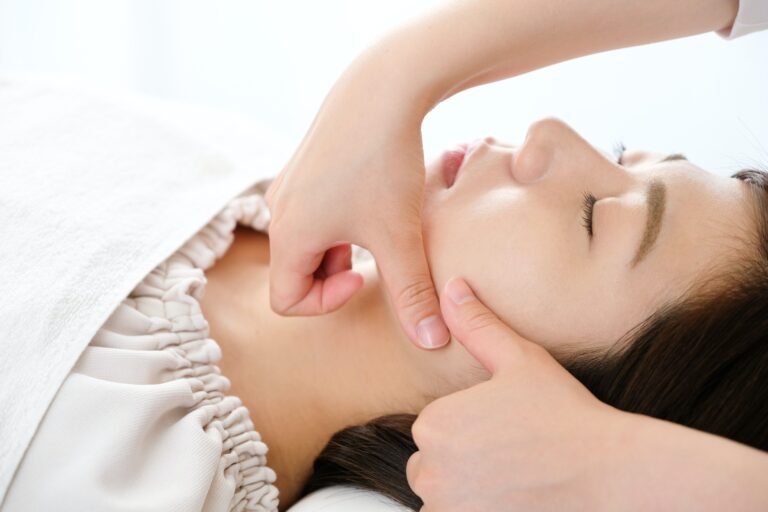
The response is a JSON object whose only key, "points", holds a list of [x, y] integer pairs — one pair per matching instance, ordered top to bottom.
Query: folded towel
{"points": [[96, 189]]}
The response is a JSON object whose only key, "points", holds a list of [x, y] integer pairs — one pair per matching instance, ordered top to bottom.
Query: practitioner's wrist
{"points": [[393, 74], [666, 466], [609, 479]]}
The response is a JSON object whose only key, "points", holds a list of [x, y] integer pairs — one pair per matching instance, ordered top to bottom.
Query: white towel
{"points": [[96, 189]]}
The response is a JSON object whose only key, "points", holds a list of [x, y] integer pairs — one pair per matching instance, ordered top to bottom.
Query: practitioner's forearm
{"points": [[470, 42], [670, 467]]}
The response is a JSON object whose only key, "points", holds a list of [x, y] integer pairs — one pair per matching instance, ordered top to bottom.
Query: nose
{"points": [[535, 158]]}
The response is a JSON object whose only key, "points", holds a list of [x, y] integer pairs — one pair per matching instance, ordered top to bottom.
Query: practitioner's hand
{"points": [[356, 178], [530, 438]]}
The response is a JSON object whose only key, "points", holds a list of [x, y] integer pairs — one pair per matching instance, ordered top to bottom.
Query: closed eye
{"points": [[588, 205]]}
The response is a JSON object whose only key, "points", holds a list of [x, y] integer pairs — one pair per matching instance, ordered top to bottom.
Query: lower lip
{"points": [[452, 160]]}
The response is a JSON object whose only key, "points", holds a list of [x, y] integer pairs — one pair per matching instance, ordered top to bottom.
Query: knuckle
{"points": [[418, 293], [281, 303], [278, 306], [479, 319], [431, 412], [427, 427], [418, 431], [421, 431], [412, 468], [425, 484]]}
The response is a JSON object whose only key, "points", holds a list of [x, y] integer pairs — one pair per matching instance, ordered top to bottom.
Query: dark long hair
{"points": [[701, 362]]}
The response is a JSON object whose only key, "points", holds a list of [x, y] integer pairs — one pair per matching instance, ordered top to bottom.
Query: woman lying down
{"points": [[572, 248], [643, 274]]}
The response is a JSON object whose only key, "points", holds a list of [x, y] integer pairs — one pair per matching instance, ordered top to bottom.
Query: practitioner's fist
{"points": [[356, 178], [530, 438]]}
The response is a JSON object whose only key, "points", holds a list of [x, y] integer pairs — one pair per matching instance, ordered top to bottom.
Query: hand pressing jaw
{"points": [[358, 174], [337, 189], [567, 245], [602, 263], [532, 437], [523, 440]]}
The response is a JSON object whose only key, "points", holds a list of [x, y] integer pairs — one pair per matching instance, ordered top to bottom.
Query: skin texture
{"points": [[461, 44], [520, 209], [511, 224], [575, 422], [573, 449]]}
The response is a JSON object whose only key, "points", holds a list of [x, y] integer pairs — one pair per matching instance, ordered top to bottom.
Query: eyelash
{"points": [[588, 203], [586, 216]]}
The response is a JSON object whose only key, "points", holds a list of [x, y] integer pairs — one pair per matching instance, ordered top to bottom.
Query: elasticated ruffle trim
{"points": [[163, 313]]}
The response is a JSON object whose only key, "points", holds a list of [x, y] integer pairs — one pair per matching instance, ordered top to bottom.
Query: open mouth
{"points": [[454, 158], [451, 163]]}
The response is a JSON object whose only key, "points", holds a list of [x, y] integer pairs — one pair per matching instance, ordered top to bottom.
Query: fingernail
{"points": [[458, 290], [432, 332]]}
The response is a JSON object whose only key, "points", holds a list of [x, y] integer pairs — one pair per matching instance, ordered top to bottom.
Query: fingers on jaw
{"points": [[419, 311]]}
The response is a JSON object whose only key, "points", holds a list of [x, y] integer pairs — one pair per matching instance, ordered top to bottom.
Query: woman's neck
{"points": [[305, 378]]}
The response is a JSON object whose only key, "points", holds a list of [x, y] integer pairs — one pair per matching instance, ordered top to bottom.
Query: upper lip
{"points": [[472, 146], [468, 150]]}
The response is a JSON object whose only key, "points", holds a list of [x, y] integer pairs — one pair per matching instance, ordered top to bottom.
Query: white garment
{"points": [[752, 16], [95, 191], [143, 423]]}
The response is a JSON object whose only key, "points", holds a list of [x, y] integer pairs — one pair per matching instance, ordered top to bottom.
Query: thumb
{"points": [[404, 269], [487, 338]]}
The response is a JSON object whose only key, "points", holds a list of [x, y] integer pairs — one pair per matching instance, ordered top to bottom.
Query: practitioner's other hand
{"points": [[356, 178], [531, 438]]}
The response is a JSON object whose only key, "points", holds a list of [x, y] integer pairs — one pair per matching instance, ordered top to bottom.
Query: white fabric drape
{"points": [[95, 191]]}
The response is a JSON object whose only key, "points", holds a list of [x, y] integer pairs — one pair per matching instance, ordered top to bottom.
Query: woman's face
{"points": [[513, 225]]}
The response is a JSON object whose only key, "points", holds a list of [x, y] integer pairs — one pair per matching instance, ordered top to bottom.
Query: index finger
{"points": [[494, 344]]}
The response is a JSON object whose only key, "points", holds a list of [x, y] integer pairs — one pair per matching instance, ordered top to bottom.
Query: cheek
{"points": [[503, 246], [522, 263]]}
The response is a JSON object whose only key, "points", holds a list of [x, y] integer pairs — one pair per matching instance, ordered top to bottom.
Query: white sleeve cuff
{"points": [[752, 16]]}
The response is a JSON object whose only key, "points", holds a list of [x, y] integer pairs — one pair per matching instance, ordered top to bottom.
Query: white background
{"points": [[275, 60]]}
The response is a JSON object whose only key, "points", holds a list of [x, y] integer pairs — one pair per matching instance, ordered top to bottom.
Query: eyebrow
{"points": [[676, 156], [656, 195]]}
